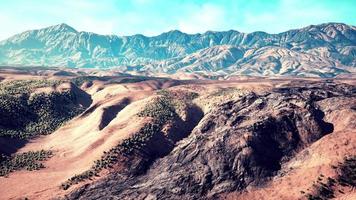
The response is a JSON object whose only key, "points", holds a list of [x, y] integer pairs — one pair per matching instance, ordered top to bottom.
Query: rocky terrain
{"points": [[324, 50], [137, 137], [241, 142]]}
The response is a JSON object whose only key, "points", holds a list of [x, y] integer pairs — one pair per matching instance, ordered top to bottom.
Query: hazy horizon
{"points": [[153, 17]]}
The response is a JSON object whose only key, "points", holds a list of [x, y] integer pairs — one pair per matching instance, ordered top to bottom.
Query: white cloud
{"points": [[288, 14], [203, 18], [95, 26]]}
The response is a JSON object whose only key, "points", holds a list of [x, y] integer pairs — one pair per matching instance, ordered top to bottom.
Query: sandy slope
{"points": [[82, 140], [78, 143]]}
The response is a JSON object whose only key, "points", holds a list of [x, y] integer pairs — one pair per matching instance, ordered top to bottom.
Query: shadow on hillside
{"points": [[110, 112], [9, 145]]}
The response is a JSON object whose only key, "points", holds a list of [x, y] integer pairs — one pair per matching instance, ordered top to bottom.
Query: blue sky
{"points": [[152, 17]]}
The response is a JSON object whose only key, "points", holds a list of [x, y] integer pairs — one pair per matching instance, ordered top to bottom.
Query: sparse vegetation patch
{"points": [[82, 79], [109, 80], [25, 86], [225, 92], [162, 109], [24, 115], [28, 160], [347, 172], [324, 188]]}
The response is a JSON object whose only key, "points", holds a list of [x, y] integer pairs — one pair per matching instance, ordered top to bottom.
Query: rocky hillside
{"points": [[323, 50], [86, 134], [241, 143]]}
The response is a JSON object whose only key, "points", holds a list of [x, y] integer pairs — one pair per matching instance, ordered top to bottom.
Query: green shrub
{"points": [[82, 79], [25, 86], [224, 92], [161, 110], [23, 115], [27, 160], [347, 174], [346, 177]]}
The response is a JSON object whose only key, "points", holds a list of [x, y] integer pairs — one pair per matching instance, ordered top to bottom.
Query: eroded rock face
{"points": [[241, 142]]}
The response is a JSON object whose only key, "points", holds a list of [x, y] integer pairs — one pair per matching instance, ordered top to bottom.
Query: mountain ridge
{"points": [[67, 26], [62, 45]]}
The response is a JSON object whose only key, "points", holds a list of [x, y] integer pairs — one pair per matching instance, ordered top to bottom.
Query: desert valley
{"points": [[213, 115], [118, 136]]}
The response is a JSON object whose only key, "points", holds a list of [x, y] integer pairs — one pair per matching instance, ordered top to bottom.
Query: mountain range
{"points": [[324, 50]]}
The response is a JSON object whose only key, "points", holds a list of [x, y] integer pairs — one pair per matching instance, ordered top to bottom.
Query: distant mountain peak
{"points": [[339, 26], [62, 28], [174, 33]]}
